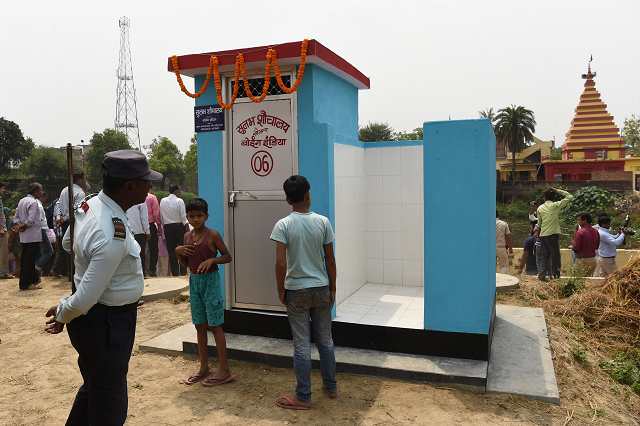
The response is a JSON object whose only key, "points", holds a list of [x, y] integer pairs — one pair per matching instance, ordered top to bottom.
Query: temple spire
{"points": [[589, 75]]}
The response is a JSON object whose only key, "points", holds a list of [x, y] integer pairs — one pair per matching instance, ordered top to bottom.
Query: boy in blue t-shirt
{"points": [[304, 243]]}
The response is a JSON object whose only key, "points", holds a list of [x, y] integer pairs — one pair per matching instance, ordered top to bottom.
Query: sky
{"points": [[426, 60]]}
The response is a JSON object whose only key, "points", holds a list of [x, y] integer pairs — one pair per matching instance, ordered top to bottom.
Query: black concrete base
{"points": [[387, 339]]}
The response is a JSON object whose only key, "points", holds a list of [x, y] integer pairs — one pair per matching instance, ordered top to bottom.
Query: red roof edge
{"points": [[195, 64]]}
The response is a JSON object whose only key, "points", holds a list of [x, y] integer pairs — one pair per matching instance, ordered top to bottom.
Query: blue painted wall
{"points": [[327, 113], [210, 169], [459, 292]]}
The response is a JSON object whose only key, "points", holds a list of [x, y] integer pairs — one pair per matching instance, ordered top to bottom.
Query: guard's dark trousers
{"points": [[103, 339]]}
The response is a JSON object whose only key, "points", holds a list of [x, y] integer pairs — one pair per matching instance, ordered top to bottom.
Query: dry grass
{"points": [[610, 308]]}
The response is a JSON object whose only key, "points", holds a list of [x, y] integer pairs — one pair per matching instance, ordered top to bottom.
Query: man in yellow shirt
{"points": [[550, 231]]}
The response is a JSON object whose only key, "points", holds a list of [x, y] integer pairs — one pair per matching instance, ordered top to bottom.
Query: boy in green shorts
{"points": [[304, 243], [199, 254]]}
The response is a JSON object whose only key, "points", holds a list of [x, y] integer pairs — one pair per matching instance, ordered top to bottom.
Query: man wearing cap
{"points": [[101, 314]]}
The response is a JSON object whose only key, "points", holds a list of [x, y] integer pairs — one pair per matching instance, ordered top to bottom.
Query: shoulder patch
{"points": [[83, 204], [119, 232]]}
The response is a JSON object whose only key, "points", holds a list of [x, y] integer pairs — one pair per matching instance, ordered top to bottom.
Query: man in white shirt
{"points": [[138, 217], [175, 224], [62, 261]]}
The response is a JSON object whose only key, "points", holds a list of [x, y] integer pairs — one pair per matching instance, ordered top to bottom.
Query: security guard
{"points": [[101, 314]]}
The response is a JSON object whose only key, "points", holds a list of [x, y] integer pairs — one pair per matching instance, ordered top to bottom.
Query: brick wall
{"points": [[612, 176], [507, 190]]}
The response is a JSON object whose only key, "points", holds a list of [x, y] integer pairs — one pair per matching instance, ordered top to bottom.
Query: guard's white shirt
{"points": [[172, 210], [138, 217], [108, 270]]}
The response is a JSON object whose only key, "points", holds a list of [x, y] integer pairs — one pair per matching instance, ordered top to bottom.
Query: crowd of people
{"points": [[112, 232], [31, 238], [594, 246]]}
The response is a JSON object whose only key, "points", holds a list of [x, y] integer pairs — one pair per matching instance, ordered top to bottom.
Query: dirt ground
{"points": [[39, 378]]}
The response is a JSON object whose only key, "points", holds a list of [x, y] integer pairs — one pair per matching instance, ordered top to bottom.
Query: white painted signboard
{"points": [[262, 145]]}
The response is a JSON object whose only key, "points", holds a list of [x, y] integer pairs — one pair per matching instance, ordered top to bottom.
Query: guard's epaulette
{"points": [[83, 204], [119, 231]]}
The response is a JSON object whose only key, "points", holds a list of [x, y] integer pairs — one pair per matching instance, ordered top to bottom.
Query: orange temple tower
{"points": [[593, 142]]}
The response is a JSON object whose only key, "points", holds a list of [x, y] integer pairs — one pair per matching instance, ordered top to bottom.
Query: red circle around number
{"points": [[262, 163]]}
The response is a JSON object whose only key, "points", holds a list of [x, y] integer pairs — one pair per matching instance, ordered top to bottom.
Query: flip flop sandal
{"points": [[6, 276], [195, 378], [211, 381], [329, 396], [292, 406]]}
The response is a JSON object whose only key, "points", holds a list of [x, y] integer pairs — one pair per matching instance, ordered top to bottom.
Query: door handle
{"points": [[232, 197]]}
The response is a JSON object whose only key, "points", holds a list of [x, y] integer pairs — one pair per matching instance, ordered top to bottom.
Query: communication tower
{"points": [[126, 110]]}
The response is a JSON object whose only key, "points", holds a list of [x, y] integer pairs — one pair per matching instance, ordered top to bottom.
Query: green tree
{"points": [[490, 114], [514, 126], [376, 132], [631, 133], [415, 135], [100, 144], [13, 146], [556, 154], [166, 158], [46, 165], [191, 165]]}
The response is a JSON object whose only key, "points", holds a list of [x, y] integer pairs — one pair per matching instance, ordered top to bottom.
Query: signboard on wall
{"points": [[208, 118], [262, 145]]}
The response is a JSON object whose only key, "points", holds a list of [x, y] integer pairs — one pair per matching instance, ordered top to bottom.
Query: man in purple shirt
{"points": [[27, 220]]}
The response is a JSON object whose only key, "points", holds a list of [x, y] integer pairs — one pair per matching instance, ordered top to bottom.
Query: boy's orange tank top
{"points": [[202, 253]]}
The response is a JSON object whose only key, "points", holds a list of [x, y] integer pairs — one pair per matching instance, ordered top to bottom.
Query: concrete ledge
{"points": [[506, 283], [163, 288], [521, 355], [415, 368]]}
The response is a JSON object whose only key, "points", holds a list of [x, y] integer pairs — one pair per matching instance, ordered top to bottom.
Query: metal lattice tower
{"points": [[126, 110]]}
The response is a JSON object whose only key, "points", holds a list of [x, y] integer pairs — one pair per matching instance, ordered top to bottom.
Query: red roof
{"points": [[288, 54]]}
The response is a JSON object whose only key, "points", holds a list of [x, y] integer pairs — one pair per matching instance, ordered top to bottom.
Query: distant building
{"points": [[593, 142], [529, 162]]}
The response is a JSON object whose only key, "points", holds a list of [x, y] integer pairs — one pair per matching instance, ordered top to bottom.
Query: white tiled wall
{"points": [[394, 215], [379, 217], [351, 256]]}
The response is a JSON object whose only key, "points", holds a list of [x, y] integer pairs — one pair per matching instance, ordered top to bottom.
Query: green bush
{"points": [[186, 196], [588, 199], [515, 209], [625, 368]]}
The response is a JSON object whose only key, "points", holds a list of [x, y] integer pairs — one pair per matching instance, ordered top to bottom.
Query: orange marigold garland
{"points": [[303, 58], [240, 68], [219, 86]]}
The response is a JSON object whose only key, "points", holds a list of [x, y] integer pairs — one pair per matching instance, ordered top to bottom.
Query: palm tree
{"points": [[488, 113], [514, 126]]}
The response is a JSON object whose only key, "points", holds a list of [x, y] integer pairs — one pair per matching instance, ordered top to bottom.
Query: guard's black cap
{"points": [[128, 164]]}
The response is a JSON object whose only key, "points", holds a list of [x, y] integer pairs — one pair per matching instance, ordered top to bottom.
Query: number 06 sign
{"points": [[262, 145], [262, 163]]}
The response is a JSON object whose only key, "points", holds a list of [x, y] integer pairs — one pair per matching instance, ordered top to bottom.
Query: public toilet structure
{"points": [[400, 210]]}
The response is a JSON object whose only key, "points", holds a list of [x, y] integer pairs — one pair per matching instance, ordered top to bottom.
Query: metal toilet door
{"points": [[263, 158]]}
